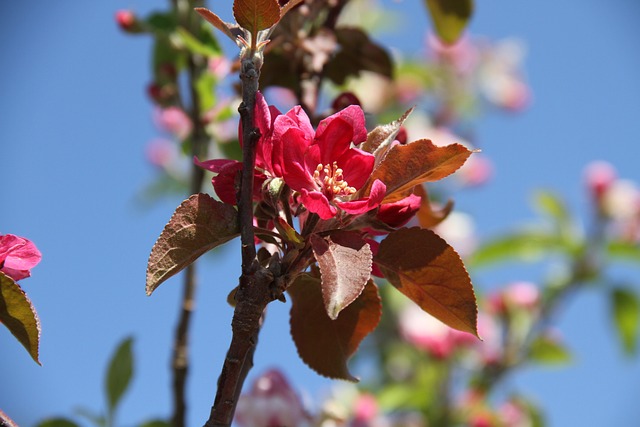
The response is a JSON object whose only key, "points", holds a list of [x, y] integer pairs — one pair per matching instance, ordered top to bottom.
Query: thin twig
{"points": [[199, 139]]}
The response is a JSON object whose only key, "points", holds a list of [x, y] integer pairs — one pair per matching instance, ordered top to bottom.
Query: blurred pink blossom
{"points": [[462, 55], [219, 66], [500, 75], [174, 121], [161, 152], [477, 170], [598, 177], [459, 230], [17, 256], [519, 295], [430, 334], [271, 402], [366, 408], [513, 415]]}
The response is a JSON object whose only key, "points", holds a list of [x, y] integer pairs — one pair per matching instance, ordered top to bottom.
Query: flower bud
{"points": [[127, 21]]}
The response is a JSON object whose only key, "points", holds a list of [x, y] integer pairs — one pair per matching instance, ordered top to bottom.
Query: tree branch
{"points": [[255, 290]]}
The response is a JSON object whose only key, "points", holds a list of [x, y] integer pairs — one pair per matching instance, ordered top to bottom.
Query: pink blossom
{"points": [[462, 55], [219, 66], [174, 121], [160, 152], [323, 166], [477, 170], [598, 177], [17, 256], [426, 332], [271, 402], [366, 408], [513, 415]]}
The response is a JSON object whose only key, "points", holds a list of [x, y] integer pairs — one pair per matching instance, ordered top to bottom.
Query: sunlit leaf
{"points": [[256, 15], [450, 17], [215, 20], [161, 22], [194, 45], [205, 85], [383, 135], [406, 166], [550, 204], [198, 225], [525, 246], [624, 251], [344, 259], [422, 266], [625, 307], [19, 316], [324, 344], [549, 351], [119, 373], [57, 422], [156, 423]]}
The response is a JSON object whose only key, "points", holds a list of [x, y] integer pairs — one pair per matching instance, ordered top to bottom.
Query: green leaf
{"points": [[256, 15], [450, 17], [162, 22], [194, 45], [357, 53], [205, 85], [406, 166], [552, 205], [198, 225], [525, 246], [624, 251], [344, 259], [422, 266], [625, 307], [19, 316], [323, 344], [549, 351], [119, 374], [57, 422], [156, 423]]}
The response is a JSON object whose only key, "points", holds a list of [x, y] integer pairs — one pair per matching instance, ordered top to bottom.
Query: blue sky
{"points": [[74, 120]]}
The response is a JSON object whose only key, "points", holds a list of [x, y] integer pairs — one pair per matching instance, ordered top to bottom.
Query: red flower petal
{"points": [[354, 117], [293, 147], [356, 166], [316, 202], [365, 204], [398, 213]]}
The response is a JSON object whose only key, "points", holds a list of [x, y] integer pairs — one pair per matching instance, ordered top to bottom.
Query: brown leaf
{"points": [[256, 15], [215, 20], [384, 135], [406, 166], [428, 217], [198, 225], [344, 259], [421, 265], [19, 316], [324, 344]]}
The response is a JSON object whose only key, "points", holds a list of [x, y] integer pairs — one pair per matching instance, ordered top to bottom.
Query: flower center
{"points": [[330, 178]]}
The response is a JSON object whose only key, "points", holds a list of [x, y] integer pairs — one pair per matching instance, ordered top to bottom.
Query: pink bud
{"points": [[126, 20], [160, 152], [599, 176]]}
